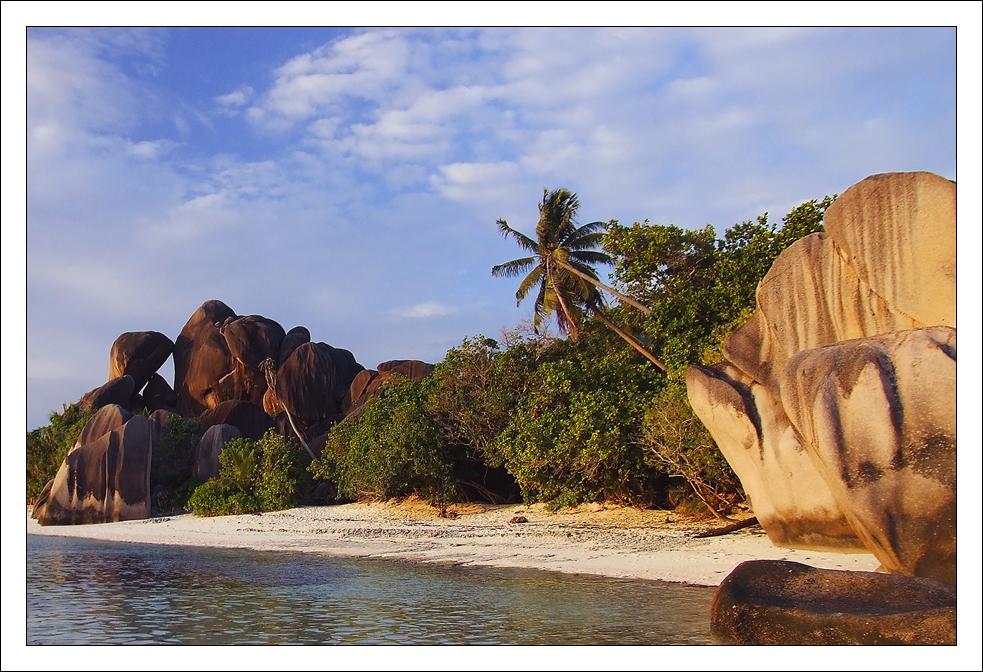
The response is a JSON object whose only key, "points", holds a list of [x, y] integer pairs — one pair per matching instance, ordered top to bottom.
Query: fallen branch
{"points": [[733, 527]]}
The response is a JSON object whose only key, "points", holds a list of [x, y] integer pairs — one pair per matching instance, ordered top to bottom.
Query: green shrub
{"points": [[574, 436], [682, 445], [47, 446], [392, 449], [174, 453], [254, 476]]}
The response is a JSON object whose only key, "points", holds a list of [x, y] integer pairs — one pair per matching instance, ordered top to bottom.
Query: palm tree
{"points": [[561, 266]]}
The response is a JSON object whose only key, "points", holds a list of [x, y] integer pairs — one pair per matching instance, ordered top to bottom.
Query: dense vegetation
{"points": [[599, 416]]}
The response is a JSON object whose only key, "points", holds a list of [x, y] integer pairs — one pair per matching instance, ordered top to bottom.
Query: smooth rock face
{"points": [[252, 340], [291, 340], [139, 354], [849, 360], [202, 361], [305, 383], [368, 383], [119, 391], [158, 394], [879, 415], [251, 420], [104, 421], [211, 444], [105, 481], [791, 499], [769, 602]]}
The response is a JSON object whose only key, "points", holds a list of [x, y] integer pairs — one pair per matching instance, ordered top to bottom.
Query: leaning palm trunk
{"points": [[598, 283], [630, 339]]}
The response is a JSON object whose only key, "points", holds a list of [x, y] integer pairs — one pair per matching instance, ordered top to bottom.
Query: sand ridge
{"points": [[598, 539]]}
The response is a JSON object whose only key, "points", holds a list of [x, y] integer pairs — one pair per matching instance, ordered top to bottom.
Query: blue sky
{"points": [[349, 180]]}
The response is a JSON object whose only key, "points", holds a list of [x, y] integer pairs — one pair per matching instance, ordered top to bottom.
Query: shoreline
{"points": [[617, 542]]}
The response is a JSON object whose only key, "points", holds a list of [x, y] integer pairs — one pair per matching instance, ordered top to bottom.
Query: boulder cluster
{"points": [[238, 375], [837, 405]]}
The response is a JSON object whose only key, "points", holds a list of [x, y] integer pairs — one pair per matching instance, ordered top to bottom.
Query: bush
{"points": [[574, 437], [47, 446], [392, 449], [685, 449], [174, 453], [254, 476]]}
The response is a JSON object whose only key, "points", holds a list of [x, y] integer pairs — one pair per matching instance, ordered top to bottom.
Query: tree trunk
{"points": [[598, 283], [631, 340]]}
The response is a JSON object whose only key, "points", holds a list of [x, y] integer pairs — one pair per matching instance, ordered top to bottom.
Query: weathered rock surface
{"points": [[293, 338], [252, 340], [139, 354], [202, 361], [305, 383], [367, 383], [119, 391], [158, 394], [838, 402], [879, 415], [105, 420], [251, 420], [206, 464], [104, 481], [791, 499], [767, 602]]}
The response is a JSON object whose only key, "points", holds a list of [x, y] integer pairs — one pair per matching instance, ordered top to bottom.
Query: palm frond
{"points": [[524, 241], [590, 257], [513, 268], [535, 276]]}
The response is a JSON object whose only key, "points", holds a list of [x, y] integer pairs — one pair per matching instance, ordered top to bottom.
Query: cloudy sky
{"points": [[349, 180]]}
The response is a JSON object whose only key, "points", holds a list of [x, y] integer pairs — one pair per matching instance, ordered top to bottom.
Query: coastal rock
{"points": [[293, 338], [252, 340], [139, 354], [202, 361], [411, 369], [305, 383], [368, 383], [119, 391], [158, 394], [837, 402], [879, 416], [105, 420], [251, 420], [158, 423], [206, 464], [104, 481], [791, 500], [774, 602]]}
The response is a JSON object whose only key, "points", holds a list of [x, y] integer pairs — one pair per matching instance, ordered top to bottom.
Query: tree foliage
{"points": [[47, 446]]}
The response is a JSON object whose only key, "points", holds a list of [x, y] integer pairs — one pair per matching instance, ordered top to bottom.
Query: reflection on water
{"points": [[88, 592]]}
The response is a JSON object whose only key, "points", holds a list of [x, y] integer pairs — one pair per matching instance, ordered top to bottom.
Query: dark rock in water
{"points": [[294, 337], [139, 354], [202, 361], [305, 383], [117, 391], [159, 395], [249, 418], [105, 420], [206, 455], [105, 481], [777, 602]]}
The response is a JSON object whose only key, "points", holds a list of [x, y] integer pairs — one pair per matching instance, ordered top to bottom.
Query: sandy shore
{"points": [[604, 540]]}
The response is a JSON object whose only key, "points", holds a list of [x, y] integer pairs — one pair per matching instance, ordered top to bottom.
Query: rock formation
{"points": [[139, 354], [202, 361], [836, 406], [104, 421], [206, 463], [104, 481], [767, 602]]}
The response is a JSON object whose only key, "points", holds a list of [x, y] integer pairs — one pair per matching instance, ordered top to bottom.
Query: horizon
{"points": [[349, 180]]}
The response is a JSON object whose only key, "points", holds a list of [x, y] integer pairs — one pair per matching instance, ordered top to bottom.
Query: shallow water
{"points": [[92, 592]]}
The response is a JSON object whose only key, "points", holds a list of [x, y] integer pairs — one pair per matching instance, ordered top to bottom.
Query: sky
{"points": [[349, 180]]}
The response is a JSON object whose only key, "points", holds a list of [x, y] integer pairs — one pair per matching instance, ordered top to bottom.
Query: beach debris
{"points": [[518, 519], [726, 529]]}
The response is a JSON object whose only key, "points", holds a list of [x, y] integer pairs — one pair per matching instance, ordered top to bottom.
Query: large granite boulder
{"points": [[293, 338], [252, 340], [139, 354], [202, 361], [305, 383], [367, 384], [120, 391], [158, 395], [837, 403], [879, 416], [251, 420], [104, 421], [212, 442], [104, 481], [791, 499], [767, 602]]}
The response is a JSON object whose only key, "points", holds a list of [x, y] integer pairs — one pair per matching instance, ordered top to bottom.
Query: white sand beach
{"points": [[596, 539]]}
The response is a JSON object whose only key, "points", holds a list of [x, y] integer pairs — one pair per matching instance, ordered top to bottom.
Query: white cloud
{"points": [[242, 95], [424, 310]]}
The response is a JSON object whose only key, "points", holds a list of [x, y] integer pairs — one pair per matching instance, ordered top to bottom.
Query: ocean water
{"points": [[92, 592]]}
